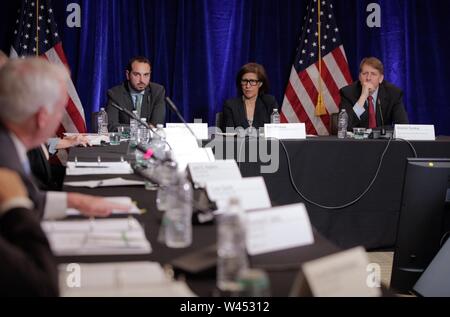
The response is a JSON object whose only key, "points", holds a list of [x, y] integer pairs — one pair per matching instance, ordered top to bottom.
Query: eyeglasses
{"points": [[252, 82]]}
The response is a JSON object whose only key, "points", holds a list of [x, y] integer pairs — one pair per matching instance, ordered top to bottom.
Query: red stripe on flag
{"points": [[60, 51], [342, 63], [330, 83], [299, 109], [76, 117]]}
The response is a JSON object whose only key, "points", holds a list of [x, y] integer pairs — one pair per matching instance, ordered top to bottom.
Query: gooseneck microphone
{"points": [[177, 112], [131, 115]]}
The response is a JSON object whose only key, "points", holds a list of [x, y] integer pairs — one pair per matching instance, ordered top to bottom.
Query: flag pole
{"points": [[37, 27], [320, 107]]}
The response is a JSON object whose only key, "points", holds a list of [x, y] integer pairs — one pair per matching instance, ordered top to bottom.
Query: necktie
{"points": [[138, 104], [372, 118]]}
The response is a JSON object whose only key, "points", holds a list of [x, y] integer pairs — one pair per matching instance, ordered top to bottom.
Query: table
{"points": [[333, 172], [283, 265]]}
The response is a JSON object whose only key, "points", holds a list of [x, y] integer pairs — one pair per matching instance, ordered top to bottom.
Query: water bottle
{"points": [[275, 116], [102, 122], [342, 124], [133, 129], [142, 132], [158, 143], [167, 175], [178, 216], [231, 251]]}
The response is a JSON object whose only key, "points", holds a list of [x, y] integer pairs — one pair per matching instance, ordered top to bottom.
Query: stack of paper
{"points": [[102, 168], [111, 182], [126, 201], [96, 237], [119, 279]]}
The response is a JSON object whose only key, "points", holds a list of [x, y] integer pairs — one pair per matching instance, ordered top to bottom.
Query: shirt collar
{"points": [[20, 148]]}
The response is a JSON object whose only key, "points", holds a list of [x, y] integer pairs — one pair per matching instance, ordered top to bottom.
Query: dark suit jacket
{"points": [[389, 101], [153, 105], [234, 114], [10, 159], [42, 171], [27, 266]]}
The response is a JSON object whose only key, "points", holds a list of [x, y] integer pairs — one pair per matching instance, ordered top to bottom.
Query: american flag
{"points": [[36, 33], [305, 83]]}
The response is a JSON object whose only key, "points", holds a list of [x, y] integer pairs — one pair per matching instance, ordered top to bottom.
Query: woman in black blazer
{"points": [[253, 107]]}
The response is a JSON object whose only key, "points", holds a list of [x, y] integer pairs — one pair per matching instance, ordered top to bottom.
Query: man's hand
{"points": [[367, 89], [73, 140], [11, 186], [93, 206]]}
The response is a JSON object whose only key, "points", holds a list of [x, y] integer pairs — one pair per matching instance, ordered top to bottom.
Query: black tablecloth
{"points": [[333, 172], [282, 266]]}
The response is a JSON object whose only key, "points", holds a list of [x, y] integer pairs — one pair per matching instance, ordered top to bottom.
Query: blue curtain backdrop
{"points": [[197, 47]]}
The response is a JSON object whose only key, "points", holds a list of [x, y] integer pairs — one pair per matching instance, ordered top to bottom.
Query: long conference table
{"points": [[326, 170], [333, 172], [282, 267]]}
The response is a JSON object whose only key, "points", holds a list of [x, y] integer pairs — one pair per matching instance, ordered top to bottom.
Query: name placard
{"points": [[200, 129], [285, 131], [414, 132], [202, 173], [251, 191], [278, 229], [345, 273]]}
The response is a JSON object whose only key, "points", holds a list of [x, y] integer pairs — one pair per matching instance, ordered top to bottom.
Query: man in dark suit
{"points": [[137, 93], [33, 95], [372, 102], [27, 266]]}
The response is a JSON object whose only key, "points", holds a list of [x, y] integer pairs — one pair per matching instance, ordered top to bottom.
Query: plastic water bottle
{"points": [[275, 116], [102, 122], [342, 124], [133, 129], [142, 132], [158, 143], [167, 175], [178, 216], [231, 251]]}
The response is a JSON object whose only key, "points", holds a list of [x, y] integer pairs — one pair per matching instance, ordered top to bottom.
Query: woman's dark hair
{"points": [[139, 59], [259, 71]]}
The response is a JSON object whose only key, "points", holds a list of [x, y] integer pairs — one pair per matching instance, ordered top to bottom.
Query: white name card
{"points": [[200, 129], [288, 131], [414, 132], [197, 155], [202, 173], [251, 191], [278, 229], [345, 273]]}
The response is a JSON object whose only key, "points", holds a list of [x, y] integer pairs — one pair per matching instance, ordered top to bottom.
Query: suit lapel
{"points": [[126, 98], [146, 104], [242, 113]]}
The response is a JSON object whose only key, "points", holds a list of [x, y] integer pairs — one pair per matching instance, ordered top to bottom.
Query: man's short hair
{"points": [[139, 59], [373, 62], [26, 85]]}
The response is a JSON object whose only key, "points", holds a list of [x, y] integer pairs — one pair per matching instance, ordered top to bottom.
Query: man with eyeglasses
{"points": [[137, 93]]}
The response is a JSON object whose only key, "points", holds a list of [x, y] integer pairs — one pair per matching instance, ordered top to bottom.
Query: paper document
{"points": [[102, 168], [118, 181], [119, 200], [96, 237], [119, 279]]}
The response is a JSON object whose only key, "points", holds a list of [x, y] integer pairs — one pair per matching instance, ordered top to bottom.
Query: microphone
{"points": [[175, 109], [131, 115]]}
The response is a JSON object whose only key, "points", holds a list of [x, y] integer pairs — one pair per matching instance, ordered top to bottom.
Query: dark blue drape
{"points": [[197, 46]]}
